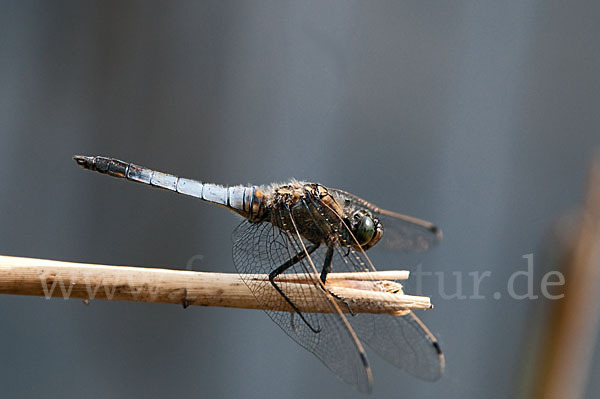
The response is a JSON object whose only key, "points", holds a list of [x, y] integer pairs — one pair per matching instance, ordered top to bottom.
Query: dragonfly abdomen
{"points": [[247, 201]]}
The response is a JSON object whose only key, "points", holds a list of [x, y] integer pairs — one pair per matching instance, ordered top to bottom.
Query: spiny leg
{"points": [[297, 258], [325, 271]]}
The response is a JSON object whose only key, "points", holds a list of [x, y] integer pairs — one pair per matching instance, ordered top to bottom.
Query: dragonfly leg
{"points": [[297, 258], [325, 271], [184, 301]]}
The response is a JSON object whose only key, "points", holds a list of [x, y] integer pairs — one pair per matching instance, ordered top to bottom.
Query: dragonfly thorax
{"points": [[307, 208], [320, 218]]}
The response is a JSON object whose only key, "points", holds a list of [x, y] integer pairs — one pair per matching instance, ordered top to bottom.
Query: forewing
{"points": [[400, 232], [261, 248], [404, 340]]}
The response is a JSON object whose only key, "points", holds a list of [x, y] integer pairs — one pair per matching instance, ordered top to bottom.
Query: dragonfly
{"points": [[307, 229]]}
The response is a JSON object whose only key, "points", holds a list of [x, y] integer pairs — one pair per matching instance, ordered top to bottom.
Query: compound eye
{"points": [[365, 230]]}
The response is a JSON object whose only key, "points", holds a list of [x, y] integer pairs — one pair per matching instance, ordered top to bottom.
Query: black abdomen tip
{"points": [[84, 161]]}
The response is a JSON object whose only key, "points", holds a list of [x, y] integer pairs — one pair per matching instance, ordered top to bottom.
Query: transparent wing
{"points": [[400, 232], [261, 248], [402, 340]]}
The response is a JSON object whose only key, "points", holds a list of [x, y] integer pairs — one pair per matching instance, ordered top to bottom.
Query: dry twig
{"points": [[42, 277]]}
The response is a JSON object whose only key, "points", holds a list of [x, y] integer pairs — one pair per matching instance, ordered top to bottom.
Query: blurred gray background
{"points": [[480, 116]]}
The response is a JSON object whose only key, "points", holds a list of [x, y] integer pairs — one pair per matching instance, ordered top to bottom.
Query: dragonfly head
{"points": [[366, 229]]}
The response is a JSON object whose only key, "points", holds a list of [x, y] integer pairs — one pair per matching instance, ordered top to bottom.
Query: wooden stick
{"points": [[52, 279]]}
